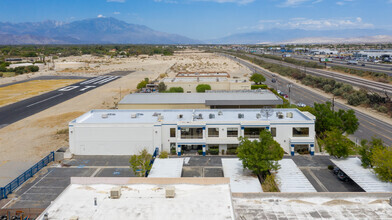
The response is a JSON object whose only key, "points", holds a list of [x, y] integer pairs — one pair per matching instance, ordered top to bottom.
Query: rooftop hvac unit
{"points": [[220, 113], [113, 114], [156, 114], [104, 115], [240, 115], [258, 115], [280, 115], [289, 115], [133, 116], [180, 116], [200, 116], [211, 116], [160, 118], [115, 192], [170, 192], [74, 218]]}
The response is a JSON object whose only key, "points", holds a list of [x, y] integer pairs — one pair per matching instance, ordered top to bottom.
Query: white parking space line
{"points": [[44, 100]]}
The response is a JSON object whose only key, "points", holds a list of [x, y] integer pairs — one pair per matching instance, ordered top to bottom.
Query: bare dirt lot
{"points": [[32, 138]]}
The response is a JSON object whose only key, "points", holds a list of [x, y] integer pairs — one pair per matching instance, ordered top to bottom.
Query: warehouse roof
{"points": [[246, 97], [185, 117]]}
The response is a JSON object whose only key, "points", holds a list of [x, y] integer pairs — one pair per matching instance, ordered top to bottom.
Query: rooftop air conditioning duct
{"points": [[220, 113], [104, 115], [240, 115], [258, 115], [180, 116], [211, 116], [115, 192], [170, 192]]}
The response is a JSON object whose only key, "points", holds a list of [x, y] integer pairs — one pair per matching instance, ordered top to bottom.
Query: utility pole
{"points": [[289, 85]]}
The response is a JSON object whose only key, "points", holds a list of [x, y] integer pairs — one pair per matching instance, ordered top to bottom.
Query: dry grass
{"points": [[20, 91]]}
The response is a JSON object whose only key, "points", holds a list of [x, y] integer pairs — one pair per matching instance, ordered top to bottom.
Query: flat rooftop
{"points": [[203, 74], [204, 79], [259, 97], [189, 116], [143, 201]]}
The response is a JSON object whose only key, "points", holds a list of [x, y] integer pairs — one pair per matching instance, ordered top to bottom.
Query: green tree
{"points": [[257, 78], [142, 83], [162, 87], [203, 87], [327, 119], [337, 144], [366, 150], [260, 156], [382, 162], [140, 163]]}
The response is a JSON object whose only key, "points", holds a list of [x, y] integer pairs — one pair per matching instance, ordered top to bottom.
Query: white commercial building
{"points": [[374, 53], [126, 132]]}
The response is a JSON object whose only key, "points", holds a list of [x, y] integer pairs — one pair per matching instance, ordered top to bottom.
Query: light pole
{"points": [[289, 86]]}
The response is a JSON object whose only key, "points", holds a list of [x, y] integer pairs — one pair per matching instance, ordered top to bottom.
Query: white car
{"points": [[300, 104]]}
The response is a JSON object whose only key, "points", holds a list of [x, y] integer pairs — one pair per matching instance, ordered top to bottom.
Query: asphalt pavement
{"points": [[19, 110], [368, 126]]}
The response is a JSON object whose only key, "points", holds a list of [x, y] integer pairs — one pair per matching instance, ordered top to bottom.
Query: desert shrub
{"points": [[162, 87], [327, 88], [357, 98], [382, 109], [63, 131], [269, 184]]}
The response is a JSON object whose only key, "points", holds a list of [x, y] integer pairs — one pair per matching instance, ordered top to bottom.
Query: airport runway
{"points": [[19, 110], [368, 125]]}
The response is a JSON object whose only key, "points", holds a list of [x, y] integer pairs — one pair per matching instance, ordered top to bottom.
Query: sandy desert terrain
{"points": [[34, 137]]}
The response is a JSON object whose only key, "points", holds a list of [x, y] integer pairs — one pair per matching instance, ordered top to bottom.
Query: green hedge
{"points": [[259, 87], [175, 90], [214, 151]]}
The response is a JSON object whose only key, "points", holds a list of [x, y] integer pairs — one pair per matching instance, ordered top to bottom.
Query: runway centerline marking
{"points": [[44, 100]]}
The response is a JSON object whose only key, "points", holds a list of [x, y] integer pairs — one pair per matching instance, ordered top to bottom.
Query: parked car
{"points": [[300, 104], [340, 174]]}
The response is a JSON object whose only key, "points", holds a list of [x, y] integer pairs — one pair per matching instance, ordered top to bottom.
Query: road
{"points": [[19, 110], [368, 125]]}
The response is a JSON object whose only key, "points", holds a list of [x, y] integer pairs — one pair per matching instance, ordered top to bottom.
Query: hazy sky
{"points": [[209, 19]]}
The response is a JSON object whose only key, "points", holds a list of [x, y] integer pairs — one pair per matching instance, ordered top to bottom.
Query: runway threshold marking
{"points": [[44, 100]]}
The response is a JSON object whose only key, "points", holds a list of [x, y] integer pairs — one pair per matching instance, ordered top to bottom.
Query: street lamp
{"points": [[289, 86]]}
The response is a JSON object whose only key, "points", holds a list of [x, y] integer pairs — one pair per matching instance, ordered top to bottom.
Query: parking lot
{"points": [[315, 168], [51, 181]]}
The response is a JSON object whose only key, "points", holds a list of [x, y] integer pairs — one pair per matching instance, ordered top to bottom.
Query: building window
{"points": [[172, 132], [213, 132], [232, 132], [252, 132], [273, 132], [300, 132], [192, 133]]}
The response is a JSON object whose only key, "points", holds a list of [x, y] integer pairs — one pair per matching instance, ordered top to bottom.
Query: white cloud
{"points": [[120, 1], [241, 2], [343, 2], [292, 3], [116, 13], [100, 16], [315, 24]]}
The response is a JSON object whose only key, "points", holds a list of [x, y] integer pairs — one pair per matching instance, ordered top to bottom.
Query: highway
{"points": [[381, 68], [355, 81], [19, 110], [368, 125]]}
